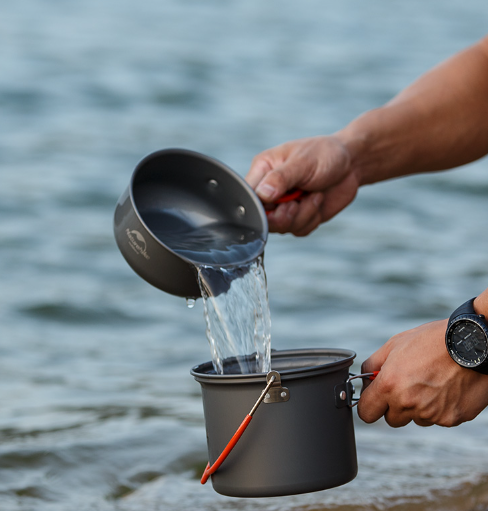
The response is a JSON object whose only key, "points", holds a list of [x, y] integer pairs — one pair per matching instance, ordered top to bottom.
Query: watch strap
{"points": [[465, 308], [483, 368]]}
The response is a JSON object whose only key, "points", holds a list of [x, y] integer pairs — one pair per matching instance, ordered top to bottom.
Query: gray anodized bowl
{"points": [[182, 182]]}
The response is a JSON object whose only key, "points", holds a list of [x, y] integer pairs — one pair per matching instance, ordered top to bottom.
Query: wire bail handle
{"points": [[369, 376], [344, 392], [272, 393]]}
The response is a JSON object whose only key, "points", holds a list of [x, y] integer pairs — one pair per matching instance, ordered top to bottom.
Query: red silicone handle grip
{"points": [[294, 194], [233, 441]]}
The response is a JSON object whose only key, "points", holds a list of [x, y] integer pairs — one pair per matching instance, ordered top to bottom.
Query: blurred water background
{"points": [[98, 409]]}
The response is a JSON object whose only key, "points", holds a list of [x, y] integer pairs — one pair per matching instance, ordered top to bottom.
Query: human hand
{"points": [[319, 165], [420, 382]]}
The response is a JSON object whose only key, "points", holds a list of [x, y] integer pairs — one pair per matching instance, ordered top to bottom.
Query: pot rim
{"points": [[217, 163], [339, 359]]}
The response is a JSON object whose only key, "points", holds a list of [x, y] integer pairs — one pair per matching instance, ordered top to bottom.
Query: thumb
{"points": [[277, 182], [377, 359], [375, 362], [373, 404]]}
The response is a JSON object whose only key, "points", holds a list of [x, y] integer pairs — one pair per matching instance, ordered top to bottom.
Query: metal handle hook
{"points": [[369, 376]]}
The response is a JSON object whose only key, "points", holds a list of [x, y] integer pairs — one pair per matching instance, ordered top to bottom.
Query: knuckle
{"points": [[258, 157], [263, 157], [255, 161], [278, 178], [282, 225], [306, 230], [367, 366], [387, 384], [407, 400], [364, 415], [426, 415], [396, 417], [445, 417], [425, 418], [450, 420], [390, 421], [395, 422], [424, 424]]}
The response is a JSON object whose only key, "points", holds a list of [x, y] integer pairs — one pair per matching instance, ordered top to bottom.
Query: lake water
{"points": [[99, 411]]}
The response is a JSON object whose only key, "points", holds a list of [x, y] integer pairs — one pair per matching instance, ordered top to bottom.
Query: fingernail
{"points": [[266, 191]]}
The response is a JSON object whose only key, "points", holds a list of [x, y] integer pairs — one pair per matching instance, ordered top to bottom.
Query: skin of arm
{"points": [[439, 122]]}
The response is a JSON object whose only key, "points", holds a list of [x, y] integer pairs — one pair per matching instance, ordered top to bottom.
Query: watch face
{"points": [[467, 343]]}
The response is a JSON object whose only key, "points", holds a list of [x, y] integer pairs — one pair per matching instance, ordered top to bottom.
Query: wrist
{"points": [[355, 139], [371, 146], [481, 303], [467, 335]]}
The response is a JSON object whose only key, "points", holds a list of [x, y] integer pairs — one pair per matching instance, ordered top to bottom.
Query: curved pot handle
{"points": [[294, 194], [369, 376], [345, 391], [284, 395]]}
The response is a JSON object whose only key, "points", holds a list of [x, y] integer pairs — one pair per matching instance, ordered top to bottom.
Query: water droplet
{"points": [[213, 183], [241, 210], [190, 302]]}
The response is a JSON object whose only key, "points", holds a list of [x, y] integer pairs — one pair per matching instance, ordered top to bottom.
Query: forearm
{"points": [[439, 122]]}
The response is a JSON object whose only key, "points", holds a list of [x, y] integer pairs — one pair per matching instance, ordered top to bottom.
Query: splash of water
{"points": [[235, 296], [237, 317]]}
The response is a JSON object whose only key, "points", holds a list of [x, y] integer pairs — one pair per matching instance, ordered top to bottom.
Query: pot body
{"points": [[173, 195], [302, 445]]}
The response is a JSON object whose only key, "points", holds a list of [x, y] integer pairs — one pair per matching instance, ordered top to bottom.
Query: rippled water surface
{"points": [[99, 411]]}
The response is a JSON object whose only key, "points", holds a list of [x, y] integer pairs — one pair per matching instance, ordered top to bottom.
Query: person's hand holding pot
{"points": [[318, 165], [420, 382]]}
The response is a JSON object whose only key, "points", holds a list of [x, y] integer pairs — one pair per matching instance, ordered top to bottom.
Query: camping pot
{"points": [[183, 209], [301, 438]]}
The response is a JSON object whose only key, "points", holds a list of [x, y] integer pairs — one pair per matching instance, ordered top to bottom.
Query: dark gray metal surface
{"points": [[174, 184], [302, 445]]}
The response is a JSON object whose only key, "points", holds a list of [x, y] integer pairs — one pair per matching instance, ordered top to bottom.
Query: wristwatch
{"points": [[467, 338]]}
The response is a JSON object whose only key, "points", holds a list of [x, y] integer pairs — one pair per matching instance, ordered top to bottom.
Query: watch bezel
{"points": [[480, 323]]}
